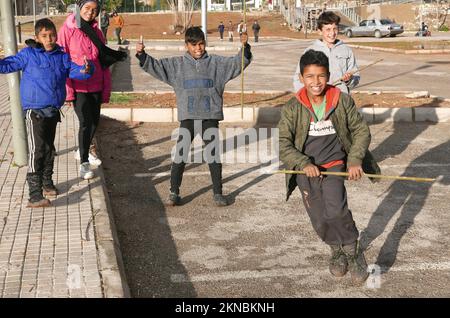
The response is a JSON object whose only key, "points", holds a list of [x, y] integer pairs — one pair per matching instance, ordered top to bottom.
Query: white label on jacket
{"points": [[321, 128]]}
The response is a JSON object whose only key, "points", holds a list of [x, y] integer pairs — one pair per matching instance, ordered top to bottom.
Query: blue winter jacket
{"points": [[43, 82]]}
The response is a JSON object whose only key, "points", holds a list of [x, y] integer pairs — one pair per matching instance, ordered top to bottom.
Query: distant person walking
{"points": [[104, 22], [118, 23], [242, 27], [256, 27], [221, 29], [230, 31]]}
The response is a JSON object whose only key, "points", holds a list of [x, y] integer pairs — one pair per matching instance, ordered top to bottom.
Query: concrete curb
{"points": [[373, 48], [170, 91], [272, 114], [111, 266]]}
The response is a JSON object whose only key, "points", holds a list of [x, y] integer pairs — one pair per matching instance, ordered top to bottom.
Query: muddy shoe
{"points": [[49, 189], [174, 199], [220, 200], [43, 203], [338, 262], [357, 265]]}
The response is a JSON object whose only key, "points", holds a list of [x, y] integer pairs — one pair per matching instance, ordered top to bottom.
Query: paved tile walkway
{"points": [[47, 252]]}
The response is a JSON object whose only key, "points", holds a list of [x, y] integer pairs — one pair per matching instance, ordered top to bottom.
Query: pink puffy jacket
{"points": [[77, 44]]}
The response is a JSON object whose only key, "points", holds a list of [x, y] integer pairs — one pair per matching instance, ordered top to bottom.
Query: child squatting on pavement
{"points": [[45, 69], [199, 81], [321, 130]]}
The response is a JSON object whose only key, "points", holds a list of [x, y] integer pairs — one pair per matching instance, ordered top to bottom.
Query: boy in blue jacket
{"points": [[45, 69], [198, 80]]}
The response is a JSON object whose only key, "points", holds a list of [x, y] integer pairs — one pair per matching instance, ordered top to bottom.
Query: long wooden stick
{"points": [[242, 62], [358, 70], [370, 175]]}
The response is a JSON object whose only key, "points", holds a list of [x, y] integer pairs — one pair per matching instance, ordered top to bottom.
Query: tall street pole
{"points": [[34, 12], [204, 23], [18, 123]]}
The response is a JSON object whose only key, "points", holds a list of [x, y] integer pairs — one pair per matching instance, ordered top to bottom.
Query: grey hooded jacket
{"points": [[341, 61], [198, 84]]}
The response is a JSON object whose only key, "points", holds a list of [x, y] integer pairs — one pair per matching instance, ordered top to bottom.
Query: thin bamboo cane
{"points": [[242, 64], [358, 70], [346, 174]]}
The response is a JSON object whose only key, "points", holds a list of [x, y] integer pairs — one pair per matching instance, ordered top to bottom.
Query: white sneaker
{"points": [[93, 159], [85, 171]]}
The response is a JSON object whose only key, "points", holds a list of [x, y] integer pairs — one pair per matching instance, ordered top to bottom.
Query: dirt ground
{"points": [[152, 26], [413, 45], [168, 100], [261, 245]]}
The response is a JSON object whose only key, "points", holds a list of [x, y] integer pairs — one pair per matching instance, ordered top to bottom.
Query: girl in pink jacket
{"points": [[87, 96]]}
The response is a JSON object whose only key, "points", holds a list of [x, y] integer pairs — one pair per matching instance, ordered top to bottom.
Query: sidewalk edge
{"points": [[111, 265]]}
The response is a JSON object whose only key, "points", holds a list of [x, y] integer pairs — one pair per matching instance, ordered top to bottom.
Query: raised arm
{"points": [[231, 66], [164, 69]]}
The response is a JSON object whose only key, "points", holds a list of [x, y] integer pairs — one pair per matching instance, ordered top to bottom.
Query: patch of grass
{"points": [[117, 98]]}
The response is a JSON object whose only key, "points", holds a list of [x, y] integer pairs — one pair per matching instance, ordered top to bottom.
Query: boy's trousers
{"points": [[87, 108], [41, 149], [215, 167], [325, 200]]}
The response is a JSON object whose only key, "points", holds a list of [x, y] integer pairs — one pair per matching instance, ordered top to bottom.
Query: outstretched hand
{"points": [[244, 38]]}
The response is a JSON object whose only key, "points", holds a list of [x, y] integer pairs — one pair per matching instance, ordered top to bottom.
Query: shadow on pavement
{"points": [[394, 76], [125, 84], [405, 196], [149, 252]]}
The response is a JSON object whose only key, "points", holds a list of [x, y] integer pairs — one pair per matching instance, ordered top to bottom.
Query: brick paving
{"points": [[47, 252]]}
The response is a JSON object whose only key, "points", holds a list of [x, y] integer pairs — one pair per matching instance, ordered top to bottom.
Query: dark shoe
{"points": [[34, 181], [49, 189], [174, 199], [220, 200], [43, 203], [338, 262], [357, 265]]}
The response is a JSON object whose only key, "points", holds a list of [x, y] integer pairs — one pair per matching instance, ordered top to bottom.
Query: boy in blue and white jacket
{"points": [[45, 69]]}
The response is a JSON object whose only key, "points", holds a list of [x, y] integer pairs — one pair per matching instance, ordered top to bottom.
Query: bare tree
{"points": [[444, 6], [183, 11]]}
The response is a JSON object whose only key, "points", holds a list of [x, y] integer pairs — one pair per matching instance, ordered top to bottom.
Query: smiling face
{"points": [[89, 11], [329, 33], [47, 38], [196, 50], [314, 78]]}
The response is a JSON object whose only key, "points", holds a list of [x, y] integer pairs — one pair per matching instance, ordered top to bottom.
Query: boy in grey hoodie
{"points": [[341, 58], [199, 81]]}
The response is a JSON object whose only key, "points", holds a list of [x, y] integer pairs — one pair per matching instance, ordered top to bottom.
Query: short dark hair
{"points": [[328, 17], [44, 24], [194, 35], [312, 57]]}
